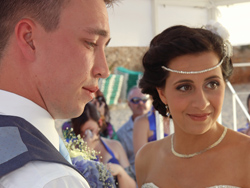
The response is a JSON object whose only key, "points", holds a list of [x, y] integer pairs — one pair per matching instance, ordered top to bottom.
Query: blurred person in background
{"points": [[139, 104], [88, 125], [107, 129], [145, 129], [246, 129]]}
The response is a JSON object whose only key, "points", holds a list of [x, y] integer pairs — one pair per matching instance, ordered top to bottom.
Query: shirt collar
{"points": [[16, 105], [130, 124]]}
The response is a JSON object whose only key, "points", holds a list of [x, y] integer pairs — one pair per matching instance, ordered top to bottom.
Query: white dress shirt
{"points": [[37, 174]]}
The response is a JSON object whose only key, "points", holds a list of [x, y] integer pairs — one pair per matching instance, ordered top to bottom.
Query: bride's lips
{"points": [[199, 117]]}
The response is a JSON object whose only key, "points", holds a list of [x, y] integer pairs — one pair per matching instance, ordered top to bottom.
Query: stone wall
{"points": [[130, 58]]}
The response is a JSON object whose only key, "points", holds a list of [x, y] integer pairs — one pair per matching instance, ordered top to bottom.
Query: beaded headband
{"points": [[218, 29], [195, 72]]}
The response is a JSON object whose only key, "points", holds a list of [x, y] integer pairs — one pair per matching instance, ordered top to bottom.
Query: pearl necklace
{"points": [[199, 152]]}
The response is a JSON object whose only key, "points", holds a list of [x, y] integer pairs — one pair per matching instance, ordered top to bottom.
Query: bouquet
{"points": [[83, 158]]}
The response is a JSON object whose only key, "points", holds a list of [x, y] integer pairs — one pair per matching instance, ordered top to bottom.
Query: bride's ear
{"points": [[162, 95]]}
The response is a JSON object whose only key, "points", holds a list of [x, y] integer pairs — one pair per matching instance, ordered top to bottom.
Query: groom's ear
{"points": [[24, 32]]}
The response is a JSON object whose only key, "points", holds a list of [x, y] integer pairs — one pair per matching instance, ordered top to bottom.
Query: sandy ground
{"points": [[120, 113]]}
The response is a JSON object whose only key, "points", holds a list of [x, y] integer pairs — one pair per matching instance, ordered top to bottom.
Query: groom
{"points": [[51, 57]]}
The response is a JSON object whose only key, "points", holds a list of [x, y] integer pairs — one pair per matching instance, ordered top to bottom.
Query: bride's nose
{"points": [[200, 100]]}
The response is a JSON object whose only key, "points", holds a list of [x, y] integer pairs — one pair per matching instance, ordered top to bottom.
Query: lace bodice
{"points": [[151, 185]]}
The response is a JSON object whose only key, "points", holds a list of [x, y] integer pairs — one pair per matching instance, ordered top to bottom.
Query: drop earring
{"points": [[167, 110]]}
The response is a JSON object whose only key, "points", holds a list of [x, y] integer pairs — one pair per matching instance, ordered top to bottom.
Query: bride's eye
{"points": [[213, 85], [184, 88]]}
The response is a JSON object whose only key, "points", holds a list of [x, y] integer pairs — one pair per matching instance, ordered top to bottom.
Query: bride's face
{"points": [[195, 100]]}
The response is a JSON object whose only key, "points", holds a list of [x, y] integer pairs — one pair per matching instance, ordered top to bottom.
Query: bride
{"points": [[185, 73]]}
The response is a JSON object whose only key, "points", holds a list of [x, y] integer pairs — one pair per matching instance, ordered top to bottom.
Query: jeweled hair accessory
{"points": [[218, 29], [194, 72]]}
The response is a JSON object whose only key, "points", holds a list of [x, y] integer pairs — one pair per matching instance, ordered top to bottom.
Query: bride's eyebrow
{"points": [[213, 77], [183, 81]]}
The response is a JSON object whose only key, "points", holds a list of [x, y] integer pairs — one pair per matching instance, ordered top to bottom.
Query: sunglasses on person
{"points": [[136, 100]]}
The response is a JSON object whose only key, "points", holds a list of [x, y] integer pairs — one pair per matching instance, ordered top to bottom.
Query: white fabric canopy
{"points": [[136, 22]]}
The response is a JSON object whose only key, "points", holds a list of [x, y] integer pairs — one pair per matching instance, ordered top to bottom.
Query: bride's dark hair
{"points": [[174, 42]]}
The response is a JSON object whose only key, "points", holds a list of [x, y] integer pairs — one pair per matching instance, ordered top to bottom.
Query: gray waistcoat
{"points": [[21, 142]]}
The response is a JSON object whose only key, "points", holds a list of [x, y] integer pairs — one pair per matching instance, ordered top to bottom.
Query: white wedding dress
{"points": [[151, 185]]}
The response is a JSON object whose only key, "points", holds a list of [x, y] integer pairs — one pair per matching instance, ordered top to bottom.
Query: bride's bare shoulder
{"points": [[242, 148], [149, 150], [147, 157]]}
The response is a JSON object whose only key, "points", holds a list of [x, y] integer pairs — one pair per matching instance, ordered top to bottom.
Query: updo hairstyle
{"points": [[174, 42]]}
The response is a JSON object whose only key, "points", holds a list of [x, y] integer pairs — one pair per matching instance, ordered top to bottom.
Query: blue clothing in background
{"points": [[152, 126], [125, 136], [113, 159]]}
